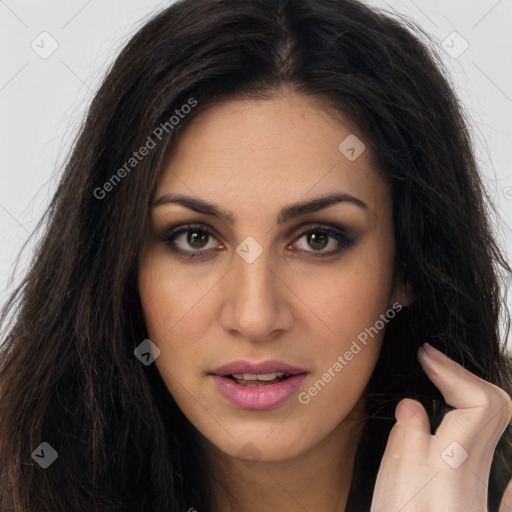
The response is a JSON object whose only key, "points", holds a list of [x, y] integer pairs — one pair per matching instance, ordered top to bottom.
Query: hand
{"points": [[448, 471]]}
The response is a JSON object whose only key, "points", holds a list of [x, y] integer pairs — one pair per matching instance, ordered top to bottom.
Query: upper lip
{"points": [[257, 368]]}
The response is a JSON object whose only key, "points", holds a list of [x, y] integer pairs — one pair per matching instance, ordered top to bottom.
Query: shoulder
{"points": [[506, 501]]}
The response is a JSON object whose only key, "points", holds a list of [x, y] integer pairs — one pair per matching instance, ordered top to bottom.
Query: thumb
{"points": [[412, 415], [410, 436]]}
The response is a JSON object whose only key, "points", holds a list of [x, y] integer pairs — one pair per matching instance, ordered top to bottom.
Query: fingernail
{"points": [[428, 347], [428, 351], [432, 354], [404, 411]]}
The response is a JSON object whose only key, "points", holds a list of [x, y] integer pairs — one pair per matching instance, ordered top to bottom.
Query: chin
{"points": [[253, 445]]}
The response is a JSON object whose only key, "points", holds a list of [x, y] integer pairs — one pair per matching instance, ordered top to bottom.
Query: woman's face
{"points": [[275, 288]]}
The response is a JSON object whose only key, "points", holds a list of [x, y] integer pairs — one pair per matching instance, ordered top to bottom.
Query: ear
{"points": [[402, 292]]}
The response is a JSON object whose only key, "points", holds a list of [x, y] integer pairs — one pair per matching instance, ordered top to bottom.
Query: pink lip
{"points": [[255, 368], [257, 398]]}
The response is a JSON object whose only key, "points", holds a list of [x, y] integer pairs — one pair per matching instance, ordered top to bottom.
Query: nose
{"points": [[257, 300]]}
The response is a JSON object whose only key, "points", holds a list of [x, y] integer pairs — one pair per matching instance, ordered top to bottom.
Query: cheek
{"points": [[170, 296], [349, 296], [351, 302], [175, 307], [345, 361], [338, 386]]}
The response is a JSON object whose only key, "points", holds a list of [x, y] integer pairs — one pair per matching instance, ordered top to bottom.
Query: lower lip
{"points": [[258, 398]]}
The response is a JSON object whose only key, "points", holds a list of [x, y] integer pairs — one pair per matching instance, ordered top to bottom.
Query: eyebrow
{"points": [[288, 212]]}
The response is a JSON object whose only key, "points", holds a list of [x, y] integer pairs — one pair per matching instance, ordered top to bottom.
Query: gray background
{"points": [[42, 100]]}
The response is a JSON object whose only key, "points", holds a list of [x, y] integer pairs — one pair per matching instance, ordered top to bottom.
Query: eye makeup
{"points": [[316, 233]]}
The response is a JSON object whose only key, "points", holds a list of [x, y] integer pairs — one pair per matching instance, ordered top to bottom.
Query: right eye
{"points": [[190, 240]]}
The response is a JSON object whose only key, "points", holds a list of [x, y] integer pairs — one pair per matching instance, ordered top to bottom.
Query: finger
{"points": [[478, 403], [412, 415], [409, 438]]}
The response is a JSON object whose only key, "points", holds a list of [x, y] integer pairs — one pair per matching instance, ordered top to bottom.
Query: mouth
{"points": [[263, 372], [262, 379], [257, 386]]}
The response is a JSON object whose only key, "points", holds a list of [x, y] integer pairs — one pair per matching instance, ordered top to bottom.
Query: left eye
{"points": [[320, 237], [190, 241]]}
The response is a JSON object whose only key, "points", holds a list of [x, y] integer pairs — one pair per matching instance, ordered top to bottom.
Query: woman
{"points": [[271, 217]]}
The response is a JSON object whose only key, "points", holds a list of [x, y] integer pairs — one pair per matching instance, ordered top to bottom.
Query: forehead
{"points": [[281, 149]]}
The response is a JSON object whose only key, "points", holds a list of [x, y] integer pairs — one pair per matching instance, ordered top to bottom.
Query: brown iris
{"points": [[198, 236], [317, 240]]}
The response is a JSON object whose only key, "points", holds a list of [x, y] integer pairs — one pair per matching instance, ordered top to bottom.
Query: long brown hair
{"points": [[68, 374]]}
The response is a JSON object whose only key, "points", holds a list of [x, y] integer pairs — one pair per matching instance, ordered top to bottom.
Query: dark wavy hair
{"points": [[68, 374]]}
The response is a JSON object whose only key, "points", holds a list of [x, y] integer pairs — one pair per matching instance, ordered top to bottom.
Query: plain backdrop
{"points": [[54, 54]]}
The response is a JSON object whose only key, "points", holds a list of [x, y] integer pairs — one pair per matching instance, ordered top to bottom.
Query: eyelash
{"points": [[169, 238]]}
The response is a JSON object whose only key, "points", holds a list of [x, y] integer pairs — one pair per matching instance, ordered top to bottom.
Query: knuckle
{"points": [[484, 399], [501, 404], [507, 407], [468, 422]]}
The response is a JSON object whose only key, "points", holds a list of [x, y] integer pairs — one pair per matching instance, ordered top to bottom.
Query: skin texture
{"points": [[254, 157]]}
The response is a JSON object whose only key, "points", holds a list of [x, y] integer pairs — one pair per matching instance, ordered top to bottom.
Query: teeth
{"points": [[260, 376], [267, 376]]}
